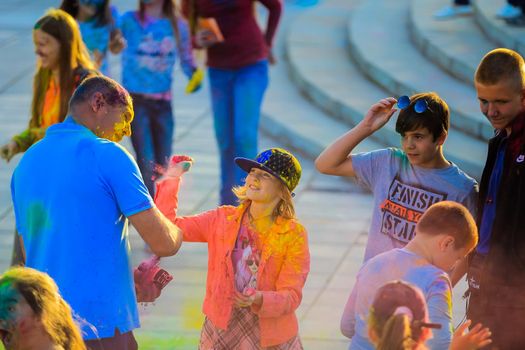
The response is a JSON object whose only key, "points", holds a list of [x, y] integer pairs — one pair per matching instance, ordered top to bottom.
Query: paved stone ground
{"points": [[335, 212]]}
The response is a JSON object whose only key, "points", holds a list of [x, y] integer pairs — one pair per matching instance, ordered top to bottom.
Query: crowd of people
{"points": [[432, 224]]}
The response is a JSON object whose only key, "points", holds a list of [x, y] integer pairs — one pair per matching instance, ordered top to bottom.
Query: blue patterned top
{"points": [[151, 53]]}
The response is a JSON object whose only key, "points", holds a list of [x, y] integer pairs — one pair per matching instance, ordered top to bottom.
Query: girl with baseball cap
{"points": [[258, 256]]}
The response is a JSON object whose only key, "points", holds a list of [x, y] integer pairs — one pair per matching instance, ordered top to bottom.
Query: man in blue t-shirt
{"points": [[73, 193]]}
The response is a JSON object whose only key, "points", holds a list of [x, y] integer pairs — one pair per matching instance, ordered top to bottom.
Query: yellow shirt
{"points": [[51, 106]]}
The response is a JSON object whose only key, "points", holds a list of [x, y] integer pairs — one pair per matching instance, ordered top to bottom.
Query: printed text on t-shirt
{"points": [[403, 208]]}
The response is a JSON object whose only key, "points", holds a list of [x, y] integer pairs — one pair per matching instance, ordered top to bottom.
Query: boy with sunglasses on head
{"points": [[406, 181]]}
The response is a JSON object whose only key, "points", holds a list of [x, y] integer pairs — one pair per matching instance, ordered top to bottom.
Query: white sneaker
{"points": [[453, 11], [508, 11]]}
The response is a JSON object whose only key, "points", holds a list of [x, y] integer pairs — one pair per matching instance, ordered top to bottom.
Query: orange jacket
{"points": [[284, 266]]}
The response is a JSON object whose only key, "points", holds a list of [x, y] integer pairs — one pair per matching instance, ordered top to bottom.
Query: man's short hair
{"points": [[501, 65], [113, 92], [435, 118], [451, 218]]}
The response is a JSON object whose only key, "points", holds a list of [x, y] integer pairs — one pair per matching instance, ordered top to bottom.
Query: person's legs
{"points": [[457, 8], [250, 84], [221, 86], [162, 127], [141, 139], [124, 341]]}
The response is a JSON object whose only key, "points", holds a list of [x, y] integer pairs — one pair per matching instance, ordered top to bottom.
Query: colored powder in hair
{"points": [[9, 298]]}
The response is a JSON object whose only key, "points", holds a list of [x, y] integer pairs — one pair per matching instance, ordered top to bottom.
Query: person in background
{"points": [[458, 8], [511, 10], [513, 13], [98, 24], [156, 36], [238, 54], [63, 62]]}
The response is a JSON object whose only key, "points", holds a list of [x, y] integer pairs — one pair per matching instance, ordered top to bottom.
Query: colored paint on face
{"points": [[116, 124], [16, 316]]}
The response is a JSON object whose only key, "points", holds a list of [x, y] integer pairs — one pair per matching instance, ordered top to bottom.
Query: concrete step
{"points": [[497, 29], [380, 44], [456, 46], [320, 66], [287, 116]]}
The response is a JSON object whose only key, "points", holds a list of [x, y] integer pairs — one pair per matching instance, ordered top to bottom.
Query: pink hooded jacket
{"points": [[285, 263]]}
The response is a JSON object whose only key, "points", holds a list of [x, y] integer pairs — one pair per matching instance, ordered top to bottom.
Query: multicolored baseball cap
{"points": [[276, 161]]}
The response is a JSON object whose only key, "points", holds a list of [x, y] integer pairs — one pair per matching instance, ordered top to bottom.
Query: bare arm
{"points": [[336, 159], [163, 237]]}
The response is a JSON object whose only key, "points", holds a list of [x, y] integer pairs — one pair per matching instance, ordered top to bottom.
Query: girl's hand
{"points": [[205, 38], [117, 42], [98, 57], [271, 58], [379, 114], [9, 150], [178, 165], [247, 300], [476, 338]]}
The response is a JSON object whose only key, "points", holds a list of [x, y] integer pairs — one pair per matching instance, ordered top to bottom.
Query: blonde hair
{"points": [[73, 54], [501, 65], [285, 208], [42, 295], [394, 333]]}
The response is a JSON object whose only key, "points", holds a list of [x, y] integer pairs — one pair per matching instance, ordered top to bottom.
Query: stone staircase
{"points": [[344, 55]]}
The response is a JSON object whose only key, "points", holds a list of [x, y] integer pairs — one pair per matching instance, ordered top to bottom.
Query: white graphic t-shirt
{"points": [[402, 192]]}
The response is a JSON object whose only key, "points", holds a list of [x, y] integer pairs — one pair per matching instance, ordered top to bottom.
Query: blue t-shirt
{"points": [[96, 37], [151, 52], [72, 192], [489, 207], [399, 264]]}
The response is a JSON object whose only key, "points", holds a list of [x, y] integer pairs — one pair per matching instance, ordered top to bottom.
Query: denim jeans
{"points": [[236, 97], [151, 136]]}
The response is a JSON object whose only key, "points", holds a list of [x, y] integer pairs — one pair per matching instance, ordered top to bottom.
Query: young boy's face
{"points": [[500, 102], [421, 148], [448, 256]]}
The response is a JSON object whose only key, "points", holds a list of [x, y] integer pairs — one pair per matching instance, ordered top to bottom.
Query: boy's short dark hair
{"points": [[501, 65], [113, 92], [435, 119], [451, 218]]}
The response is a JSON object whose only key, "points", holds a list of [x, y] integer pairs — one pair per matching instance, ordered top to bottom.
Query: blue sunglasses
{"points": [[420, 106]]}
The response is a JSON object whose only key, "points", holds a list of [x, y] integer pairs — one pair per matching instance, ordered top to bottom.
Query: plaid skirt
{"points": [[243, 333]]}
